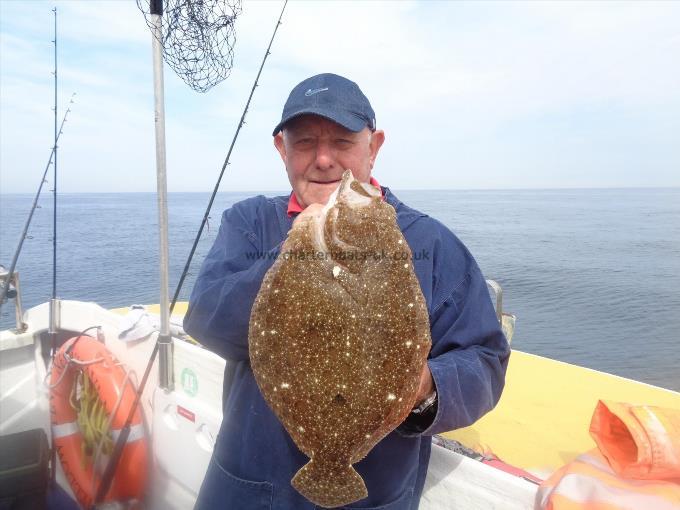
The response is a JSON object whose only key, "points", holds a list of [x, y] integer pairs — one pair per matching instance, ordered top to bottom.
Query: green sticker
{"points": [[189, 382]]}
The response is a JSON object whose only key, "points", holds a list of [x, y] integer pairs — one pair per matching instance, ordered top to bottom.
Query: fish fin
{"points": [[328, 484]]}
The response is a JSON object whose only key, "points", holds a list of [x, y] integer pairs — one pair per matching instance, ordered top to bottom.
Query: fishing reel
{"points": [[11, 291]]}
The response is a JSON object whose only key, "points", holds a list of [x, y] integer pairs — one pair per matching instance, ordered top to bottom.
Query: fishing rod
{"points": [[224, 167], [24, 234], [53, 301], [107, 477]]}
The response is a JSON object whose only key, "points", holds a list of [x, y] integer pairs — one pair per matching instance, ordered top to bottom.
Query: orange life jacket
{"points": [[635, 466]]}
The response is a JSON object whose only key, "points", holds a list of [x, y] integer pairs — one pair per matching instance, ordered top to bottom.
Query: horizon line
{"points": [[260, 192]]}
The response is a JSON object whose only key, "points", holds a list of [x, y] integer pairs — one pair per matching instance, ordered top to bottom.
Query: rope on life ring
{"points": [[90, 397]]}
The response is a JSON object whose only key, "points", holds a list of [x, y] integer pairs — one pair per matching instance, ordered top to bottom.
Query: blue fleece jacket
{"points": [[255, 458]]}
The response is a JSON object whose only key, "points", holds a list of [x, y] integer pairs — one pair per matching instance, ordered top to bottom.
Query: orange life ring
{"points": [[108, 377]]}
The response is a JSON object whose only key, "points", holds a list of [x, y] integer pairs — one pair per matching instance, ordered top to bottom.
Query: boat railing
{"points": [[506, 320]]}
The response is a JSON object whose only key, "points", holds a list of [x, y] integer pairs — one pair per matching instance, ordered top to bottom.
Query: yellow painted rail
{"points": [[542, 419]]}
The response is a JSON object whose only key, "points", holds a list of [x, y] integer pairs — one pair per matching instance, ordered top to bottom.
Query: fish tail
{"points": [[329, 484]]}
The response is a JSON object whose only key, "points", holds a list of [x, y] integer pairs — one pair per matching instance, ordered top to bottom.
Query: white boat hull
{"points": [[183, 423]]}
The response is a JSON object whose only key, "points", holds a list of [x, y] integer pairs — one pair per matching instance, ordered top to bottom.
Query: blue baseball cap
{"points": [[332, 97]]}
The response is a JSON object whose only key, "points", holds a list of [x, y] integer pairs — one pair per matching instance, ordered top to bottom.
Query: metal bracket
{"points": [[506, 320]]}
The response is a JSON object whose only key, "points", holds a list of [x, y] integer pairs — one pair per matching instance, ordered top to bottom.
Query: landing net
{"points": [[198, 38]]}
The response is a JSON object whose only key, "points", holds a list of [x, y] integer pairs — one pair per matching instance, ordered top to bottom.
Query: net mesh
{"points": [[198, 38]]}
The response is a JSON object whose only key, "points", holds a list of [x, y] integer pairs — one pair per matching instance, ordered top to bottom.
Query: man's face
{"points": [[317, 151]]}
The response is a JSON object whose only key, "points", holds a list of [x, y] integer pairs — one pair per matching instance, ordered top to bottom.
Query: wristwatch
{"points": [[426, 404]]}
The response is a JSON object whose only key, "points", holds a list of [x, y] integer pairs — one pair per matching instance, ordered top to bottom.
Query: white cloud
{"points": [[490, 94]]}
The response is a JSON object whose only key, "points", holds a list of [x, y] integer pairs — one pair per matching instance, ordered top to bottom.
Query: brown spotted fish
{"points": [[339, 333]]}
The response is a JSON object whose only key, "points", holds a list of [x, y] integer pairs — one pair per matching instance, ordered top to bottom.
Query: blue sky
{"points": [[471, 95]]}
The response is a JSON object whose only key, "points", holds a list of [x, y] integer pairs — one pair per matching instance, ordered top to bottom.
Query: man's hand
{"points": [[311, 211], [426, 386]]}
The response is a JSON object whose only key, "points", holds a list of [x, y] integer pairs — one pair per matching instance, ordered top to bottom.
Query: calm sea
{"points": [[592, 275]]}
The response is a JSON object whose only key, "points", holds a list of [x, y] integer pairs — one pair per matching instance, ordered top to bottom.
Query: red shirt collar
{"points": [[294, 206]]}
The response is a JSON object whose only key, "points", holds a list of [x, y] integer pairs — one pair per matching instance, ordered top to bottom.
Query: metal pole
{"points": [[156, 8], [164, 339]]}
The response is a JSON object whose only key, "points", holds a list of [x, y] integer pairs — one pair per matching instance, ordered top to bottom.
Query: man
{"points": [[327, 126]]}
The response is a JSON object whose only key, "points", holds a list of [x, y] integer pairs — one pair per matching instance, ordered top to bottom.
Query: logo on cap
{"points": [[311, 92]]}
